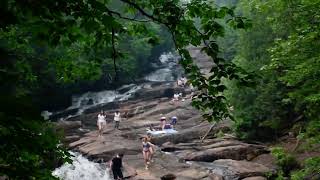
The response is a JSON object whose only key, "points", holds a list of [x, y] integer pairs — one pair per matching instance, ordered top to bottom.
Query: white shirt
{"points": [[176, 96], [116, 117], [101, 118]]}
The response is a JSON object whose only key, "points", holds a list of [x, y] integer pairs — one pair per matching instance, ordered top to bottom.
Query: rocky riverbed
{"points": [[185, 154]]}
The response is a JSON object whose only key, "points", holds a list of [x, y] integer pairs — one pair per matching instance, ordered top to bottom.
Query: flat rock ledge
{"points": [[233, 170]]}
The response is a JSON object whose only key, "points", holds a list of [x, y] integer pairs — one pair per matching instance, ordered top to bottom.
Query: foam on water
{"points": [[82, 169]]}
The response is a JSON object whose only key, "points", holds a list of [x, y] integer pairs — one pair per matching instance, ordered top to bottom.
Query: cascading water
{"points": [[169, 62], [169, 69], [82, 168]]}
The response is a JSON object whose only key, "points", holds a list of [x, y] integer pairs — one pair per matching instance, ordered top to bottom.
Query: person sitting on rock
{"points": [[184, 81], [179, 83], [176, 97], [116, 119], [174, 120], [162, 122], [101, 123], [167, 127], [116, 166], [169, 177]]}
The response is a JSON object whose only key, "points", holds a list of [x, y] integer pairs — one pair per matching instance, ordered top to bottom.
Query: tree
{"points": [[64, 38]]}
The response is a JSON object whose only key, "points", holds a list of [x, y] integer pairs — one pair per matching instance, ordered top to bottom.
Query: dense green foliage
{"points": [[282, 49], [285, 161], [311, 170]]}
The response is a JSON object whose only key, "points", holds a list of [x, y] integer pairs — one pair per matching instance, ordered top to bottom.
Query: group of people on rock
{"points": [[102, 121], [164, 125], [148, 149]]}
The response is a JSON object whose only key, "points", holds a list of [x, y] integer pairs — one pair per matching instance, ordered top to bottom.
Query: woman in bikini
{"points": [[152, 147], [146, 151]]}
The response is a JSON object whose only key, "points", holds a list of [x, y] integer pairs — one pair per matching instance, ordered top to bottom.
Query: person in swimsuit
{"points": [[162, 122], [101, 123], [167, 126], [152, 148], [146, 151]]}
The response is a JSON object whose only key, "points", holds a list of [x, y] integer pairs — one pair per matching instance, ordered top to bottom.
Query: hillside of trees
{"points": [[282, 49]]}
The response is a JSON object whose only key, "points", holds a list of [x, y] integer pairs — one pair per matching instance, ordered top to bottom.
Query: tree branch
{"points": [[142, 11], [110, 12]]}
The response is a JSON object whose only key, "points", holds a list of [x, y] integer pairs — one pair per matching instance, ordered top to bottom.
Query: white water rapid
{"points": [[168, 61], [166, 72], [90, 99], [82, 169]]}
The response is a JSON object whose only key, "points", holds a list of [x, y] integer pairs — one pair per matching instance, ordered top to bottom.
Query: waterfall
{"points": [[166, 73], [82, 168]]}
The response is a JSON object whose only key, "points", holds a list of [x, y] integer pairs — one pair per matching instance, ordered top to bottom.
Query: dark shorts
{"points": [[117, 173]]}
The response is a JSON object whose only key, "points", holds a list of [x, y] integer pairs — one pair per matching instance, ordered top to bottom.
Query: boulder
{"points": [[62, 114], [68, 125], [185, 135], [71, 138], [104, 148], [226, 150], [233, 170], [192, 174], [255, 178]]}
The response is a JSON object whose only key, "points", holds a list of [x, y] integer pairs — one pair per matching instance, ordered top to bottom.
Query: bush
{"points": [[286, 162], [310, 171]]}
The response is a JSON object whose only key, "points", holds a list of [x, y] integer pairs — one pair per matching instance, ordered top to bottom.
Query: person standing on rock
{"points": [[116, 119], [101, 123], [152, 147], [146, 152], [116, 166]]}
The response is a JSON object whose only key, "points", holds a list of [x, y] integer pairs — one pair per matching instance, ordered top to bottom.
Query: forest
{"points": [[265, 78]]}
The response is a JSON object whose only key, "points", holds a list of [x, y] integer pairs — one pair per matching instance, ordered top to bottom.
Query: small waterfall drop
{"points": [[169, 63], [82, 168]]}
